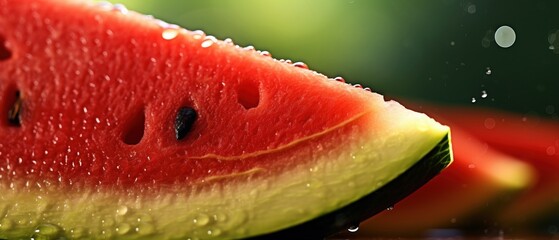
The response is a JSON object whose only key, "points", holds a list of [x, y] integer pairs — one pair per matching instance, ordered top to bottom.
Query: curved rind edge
{"points": [[409, 181]]}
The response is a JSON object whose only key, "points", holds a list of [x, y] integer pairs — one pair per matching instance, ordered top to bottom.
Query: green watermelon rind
{"points": [[409, 181]]}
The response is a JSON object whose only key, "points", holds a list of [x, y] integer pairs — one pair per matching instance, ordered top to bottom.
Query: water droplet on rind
{"points": [[122, 210], [201, 220], [6, 224], [123, 228], [46, 231]]}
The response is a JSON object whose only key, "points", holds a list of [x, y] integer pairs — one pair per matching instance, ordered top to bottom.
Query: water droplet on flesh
{"points": [[120, 8], [170, 33], [208, 41], [300, 65], [340, 79], [550, 150], [390, 208]]}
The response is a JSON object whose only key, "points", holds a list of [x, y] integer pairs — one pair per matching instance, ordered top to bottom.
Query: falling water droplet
{"points": [[505, 36], [488, 71], [483, 94], [473, 100], [353, 229]]}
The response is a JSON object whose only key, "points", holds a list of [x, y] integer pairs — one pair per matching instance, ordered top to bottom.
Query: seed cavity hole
{"points": [[5, 53], [248, 94], [14, 107], [186, 116], [135, 128]]}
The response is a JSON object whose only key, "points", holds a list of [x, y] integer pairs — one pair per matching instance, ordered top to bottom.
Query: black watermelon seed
{"points": [[15, 110], [186, 116]]}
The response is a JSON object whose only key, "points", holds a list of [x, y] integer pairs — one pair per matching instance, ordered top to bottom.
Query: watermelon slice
{"points": [[118, 125], [533, 139]]}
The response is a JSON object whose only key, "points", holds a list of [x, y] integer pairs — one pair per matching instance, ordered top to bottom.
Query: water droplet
{"points": [[104, 5], [120, 8], [471, 8], [170, 33], [198, 34], [505, 36], [208, 41], [228, 41], [452, 43], [249, 48], [266, 53], [301, 65], [488, 71], [340, 79], [483, 94], [473, 100], [489, 123], [550, 150], [471, 166], [390, 208], [122, 210], [220, 217], [201, 220], [6, 224], [123, 228], [145, 229], [353, 229], [46, 231], [77, 232], [214, 232]]}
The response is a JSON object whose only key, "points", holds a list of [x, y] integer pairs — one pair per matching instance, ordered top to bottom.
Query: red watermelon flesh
{"points": [[89, 147]]}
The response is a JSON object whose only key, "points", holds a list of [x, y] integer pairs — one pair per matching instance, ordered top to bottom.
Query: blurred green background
{"points": [[436, 50]]}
